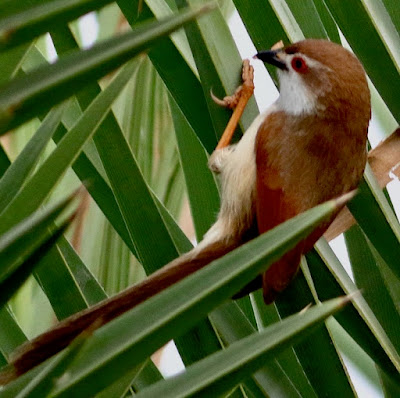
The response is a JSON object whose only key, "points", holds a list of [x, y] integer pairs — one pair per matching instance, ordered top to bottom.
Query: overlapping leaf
{"points": [[20, 23], [25, 97], [23, 245], [207, 288]]}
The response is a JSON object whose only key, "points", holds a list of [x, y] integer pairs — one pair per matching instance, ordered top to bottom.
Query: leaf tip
{"points": [[212, 5], [342, 200], [350, 297], [306, 308]]}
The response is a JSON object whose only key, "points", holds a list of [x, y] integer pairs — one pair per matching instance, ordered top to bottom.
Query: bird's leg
{"points": [[238, 101]]}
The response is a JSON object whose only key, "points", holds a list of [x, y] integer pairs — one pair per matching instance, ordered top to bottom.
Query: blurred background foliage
{"points": [[161, 127]]}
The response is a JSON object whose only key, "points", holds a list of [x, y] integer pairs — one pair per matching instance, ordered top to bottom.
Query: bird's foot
{"points": [[246, 89], [230, 101], [238, 101]]}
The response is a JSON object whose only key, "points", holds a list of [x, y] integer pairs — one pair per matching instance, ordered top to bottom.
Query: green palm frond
{"points": [[131, 118]]}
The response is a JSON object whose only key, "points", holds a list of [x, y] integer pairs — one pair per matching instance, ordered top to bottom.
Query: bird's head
{"points": [[320, 77]]}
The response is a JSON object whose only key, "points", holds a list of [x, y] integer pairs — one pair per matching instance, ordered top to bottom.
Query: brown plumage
{"points": [[309, 147], [306, 159], [51, 342]]}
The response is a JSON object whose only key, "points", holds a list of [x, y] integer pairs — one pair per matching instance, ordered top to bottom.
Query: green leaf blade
{"points": [[22, 98], [208, 287], [220, 372]]}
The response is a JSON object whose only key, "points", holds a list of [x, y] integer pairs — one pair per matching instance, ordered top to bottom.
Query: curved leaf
{"points": [[27, 96], [223, 370]]}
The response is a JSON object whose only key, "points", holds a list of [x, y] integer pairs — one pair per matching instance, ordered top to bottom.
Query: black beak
{"points": [[271, 57]]}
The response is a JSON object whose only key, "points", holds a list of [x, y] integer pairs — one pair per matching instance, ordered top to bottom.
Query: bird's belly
{"points": [[236, 166]]}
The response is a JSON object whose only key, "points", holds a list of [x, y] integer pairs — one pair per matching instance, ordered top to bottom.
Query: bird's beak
{"points": [[271, 57]]}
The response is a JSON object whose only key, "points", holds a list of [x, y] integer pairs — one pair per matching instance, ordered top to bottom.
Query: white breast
{"points": [[295, 97], [237, 168]]}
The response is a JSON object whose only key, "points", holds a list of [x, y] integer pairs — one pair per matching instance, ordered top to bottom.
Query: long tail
{"points": [[34, 352]]}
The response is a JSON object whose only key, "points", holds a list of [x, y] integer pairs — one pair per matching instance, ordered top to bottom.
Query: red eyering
{"points": [[299, 65]]}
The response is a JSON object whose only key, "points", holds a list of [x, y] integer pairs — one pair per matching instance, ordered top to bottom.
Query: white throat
{"points": [[295, 97]]}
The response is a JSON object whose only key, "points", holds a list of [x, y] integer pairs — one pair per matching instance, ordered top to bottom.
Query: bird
{"points": [[308, 147]]}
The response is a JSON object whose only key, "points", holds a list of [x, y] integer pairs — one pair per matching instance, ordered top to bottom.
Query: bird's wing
{"points": [[274, 205]]}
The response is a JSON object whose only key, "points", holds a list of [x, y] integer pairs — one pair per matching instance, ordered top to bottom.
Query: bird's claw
{"points": [[246, 88], [230, 101], [238, 101]]}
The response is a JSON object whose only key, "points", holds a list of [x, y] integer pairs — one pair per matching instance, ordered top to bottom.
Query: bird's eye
{"points": [[299, 64]]}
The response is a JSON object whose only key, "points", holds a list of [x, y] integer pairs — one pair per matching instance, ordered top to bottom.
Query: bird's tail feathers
{"points": [[51, 342]]}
